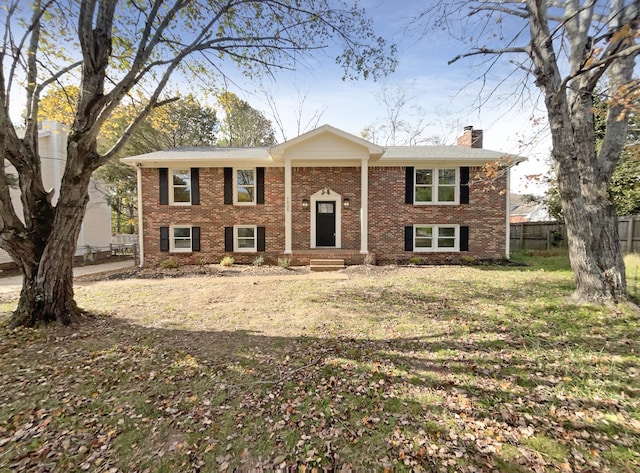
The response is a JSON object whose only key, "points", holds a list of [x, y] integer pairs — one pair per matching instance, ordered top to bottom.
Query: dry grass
{"points": [[426, 368]]}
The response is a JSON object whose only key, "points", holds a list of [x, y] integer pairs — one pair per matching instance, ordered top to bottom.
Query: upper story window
{"points": [[180, 186], [245, 186], [436, 186]]}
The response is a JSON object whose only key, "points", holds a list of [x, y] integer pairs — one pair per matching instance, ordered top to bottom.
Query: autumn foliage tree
{"points": [[116, 49], [567, 49], [182, 122], [243, 125], [624, 186]]}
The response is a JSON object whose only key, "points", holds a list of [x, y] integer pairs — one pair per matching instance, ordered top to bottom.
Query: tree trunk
{"points": [[589, 213], [592, 234], [47, 292], [46, 299]]}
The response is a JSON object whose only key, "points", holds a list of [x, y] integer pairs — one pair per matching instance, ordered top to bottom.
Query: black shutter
{"points": [[408, 185], [464, 185], [164, 186], [195, 186], [228, 186], [260, 186], [164, 238], [195, 238], [408, 238], [464, 238], [228, 239], [261, 240]]}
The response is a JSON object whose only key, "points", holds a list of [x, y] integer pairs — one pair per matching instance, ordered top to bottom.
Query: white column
{"points": [[287, 207], [364, 207]]}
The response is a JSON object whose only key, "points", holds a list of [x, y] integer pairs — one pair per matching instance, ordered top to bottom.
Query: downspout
{"points": [[508, 211], [140, 225]]}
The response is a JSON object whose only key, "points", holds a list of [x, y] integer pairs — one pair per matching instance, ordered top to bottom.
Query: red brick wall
{"points": [[306, 182], [388, 215], [485, 215], [212, 216]]}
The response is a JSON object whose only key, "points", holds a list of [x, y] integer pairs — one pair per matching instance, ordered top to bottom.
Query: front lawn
{"points": [[466, 368]]}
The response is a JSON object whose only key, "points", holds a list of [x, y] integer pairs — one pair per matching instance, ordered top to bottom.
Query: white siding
{"points": [[327, 146], [96, 227]]}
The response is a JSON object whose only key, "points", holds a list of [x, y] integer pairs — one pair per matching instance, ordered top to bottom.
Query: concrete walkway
{"points": [[14, 283]]}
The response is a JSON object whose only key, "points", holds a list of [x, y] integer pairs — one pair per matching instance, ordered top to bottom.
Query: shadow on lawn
{"points": [[498, 380], [424, 400]]}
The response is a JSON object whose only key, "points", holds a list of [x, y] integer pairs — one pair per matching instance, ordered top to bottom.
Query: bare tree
{"points": [[123, 48], [567, 48], [303, 120], [403, 123]]}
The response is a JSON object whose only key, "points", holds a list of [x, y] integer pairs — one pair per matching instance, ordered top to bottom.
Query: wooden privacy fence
{"points": [[548, 235]]}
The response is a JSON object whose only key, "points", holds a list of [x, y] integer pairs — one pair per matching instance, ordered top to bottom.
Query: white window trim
{"points": [[235, 186], [434, 186], [172, 187], [434, 239], [172, 247], [236, 247]]}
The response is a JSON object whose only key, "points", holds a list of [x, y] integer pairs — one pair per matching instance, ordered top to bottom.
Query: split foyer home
{"points": [[326, 193]]}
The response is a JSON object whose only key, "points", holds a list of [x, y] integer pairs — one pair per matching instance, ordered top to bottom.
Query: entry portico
{"points": [[326, 147]]}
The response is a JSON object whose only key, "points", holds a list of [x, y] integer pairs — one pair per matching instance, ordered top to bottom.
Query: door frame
{"points": [[326, 195], [329, 232]]}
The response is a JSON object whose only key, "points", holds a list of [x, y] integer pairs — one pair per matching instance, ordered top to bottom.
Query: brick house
{"points": [[326, 193]]}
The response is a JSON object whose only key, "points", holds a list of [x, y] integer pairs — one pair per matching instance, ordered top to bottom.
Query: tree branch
{"points": [[482, 51]]}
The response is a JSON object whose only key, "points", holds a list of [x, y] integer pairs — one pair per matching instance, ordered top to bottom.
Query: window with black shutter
{"points": [[464, 185], [164, 186], [228, 187], [164, 238]]}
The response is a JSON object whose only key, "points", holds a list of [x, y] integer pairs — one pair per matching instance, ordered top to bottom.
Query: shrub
{"points": [[370, 259], [464, 259], [415, 260], [227, 261], [259, 261], [284, 262], [169, 263]]}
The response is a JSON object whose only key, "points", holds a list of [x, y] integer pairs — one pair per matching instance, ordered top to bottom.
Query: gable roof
{"points": [[327, 131], [325, 145]]}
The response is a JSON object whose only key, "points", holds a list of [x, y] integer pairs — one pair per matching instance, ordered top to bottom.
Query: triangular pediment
{"points": [[326, 143]]}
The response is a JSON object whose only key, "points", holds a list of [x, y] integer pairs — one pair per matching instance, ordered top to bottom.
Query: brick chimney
{"points": [[470, 138]]}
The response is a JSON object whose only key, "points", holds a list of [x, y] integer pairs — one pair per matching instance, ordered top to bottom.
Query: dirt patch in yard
{"points": [[215, 270]]}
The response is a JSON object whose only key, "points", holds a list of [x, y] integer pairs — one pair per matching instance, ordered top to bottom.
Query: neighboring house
{"points": [[326, 193], [523, 208], [96, 226]]}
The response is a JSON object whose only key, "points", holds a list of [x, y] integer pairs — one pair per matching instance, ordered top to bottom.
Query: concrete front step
{"points": [[326, 264]]}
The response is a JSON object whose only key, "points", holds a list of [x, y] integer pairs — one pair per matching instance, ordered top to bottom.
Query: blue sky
{"points": [[445, 92]]}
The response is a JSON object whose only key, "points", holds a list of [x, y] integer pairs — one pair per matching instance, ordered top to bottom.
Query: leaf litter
{"points": [[410, 376]]}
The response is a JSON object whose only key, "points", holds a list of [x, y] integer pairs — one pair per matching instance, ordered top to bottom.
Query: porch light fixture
{"points": [[305, 204], [346, 204]]}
